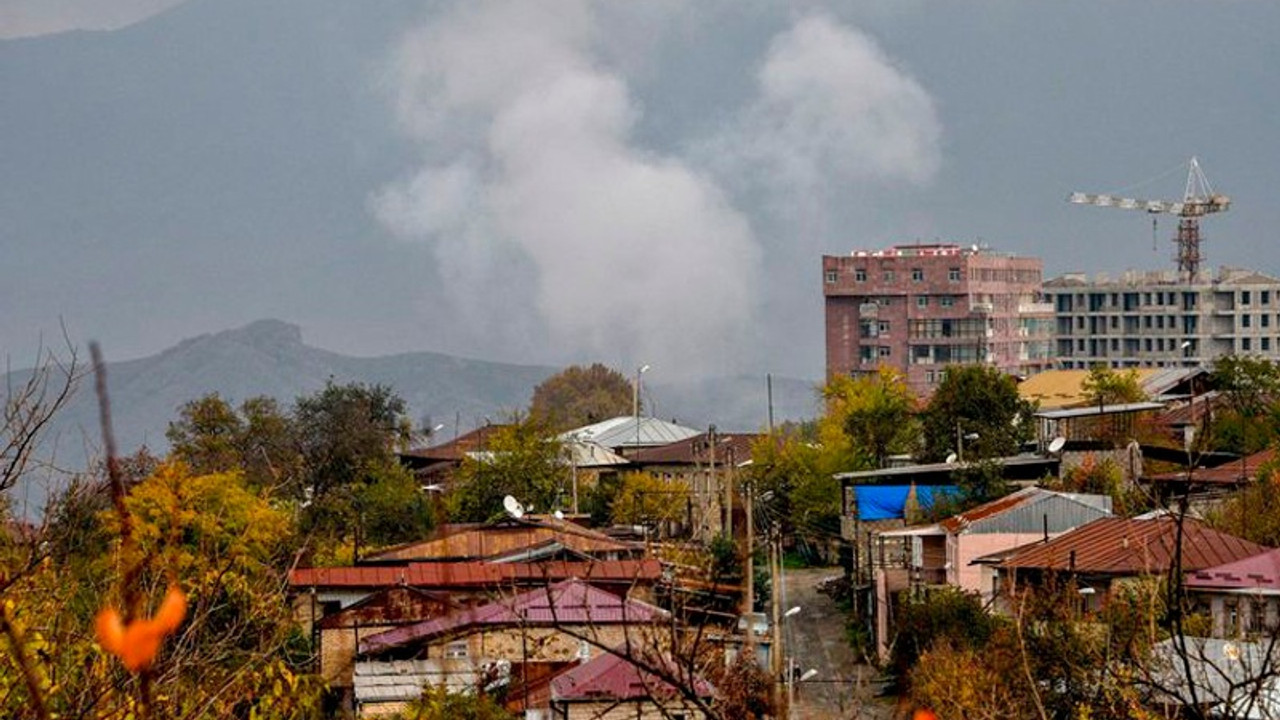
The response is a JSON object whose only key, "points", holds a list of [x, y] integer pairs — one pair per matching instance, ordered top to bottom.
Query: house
{"points": [[1063, 389], [626, 434], [434, 464], [707, 464], [1225, 476], [1112, 549], [945, 552], [1242, 598], [340, 632], [506, 640], [1229, 679], [613, 687]]}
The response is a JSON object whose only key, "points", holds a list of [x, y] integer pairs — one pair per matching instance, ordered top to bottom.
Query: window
{"points": [[917, 274], [860, 275], [953, 275], [888, 276], [831, 277], [1244, 297], [1265, 297], [922, 301], [946, 301], [1265, 319], [1147, 321], [1245, 321], [1115, 322], [883, 327], [1148, 343], [1115, 344], [1266, 344], [1245, 345], [884, 351], [929, 376], [456, 650]]}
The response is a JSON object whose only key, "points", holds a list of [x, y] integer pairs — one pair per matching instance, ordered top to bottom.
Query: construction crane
{"points": [[1198, 200]]}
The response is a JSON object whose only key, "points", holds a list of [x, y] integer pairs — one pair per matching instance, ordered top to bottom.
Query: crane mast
{"points": [[1198, 200]]}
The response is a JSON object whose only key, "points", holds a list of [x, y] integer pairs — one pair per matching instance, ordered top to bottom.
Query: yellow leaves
{"points": [[137, 643]]}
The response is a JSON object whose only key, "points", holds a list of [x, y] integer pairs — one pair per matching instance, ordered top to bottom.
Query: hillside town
{"points": [[818, 360]]}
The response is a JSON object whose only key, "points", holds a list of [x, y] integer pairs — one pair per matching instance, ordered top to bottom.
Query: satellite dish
{"points": [[1056, 445], [951, 459], [513, 507], [559, 514]]}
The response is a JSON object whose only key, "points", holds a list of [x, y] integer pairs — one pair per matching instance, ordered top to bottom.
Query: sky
{"points": [[580, 180]]}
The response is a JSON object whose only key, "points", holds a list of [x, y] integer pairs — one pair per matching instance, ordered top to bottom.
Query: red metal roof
{"points": [[730, 447], [455, 450], [1235, 472], [1132, 546], [1259, 572], [475, 574], [569, 602], [613, 677]]}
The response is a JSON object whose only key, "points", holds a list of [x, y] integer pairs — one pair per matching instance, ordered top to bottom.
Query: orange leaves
{"points": [[137, 643], [924, 714]]}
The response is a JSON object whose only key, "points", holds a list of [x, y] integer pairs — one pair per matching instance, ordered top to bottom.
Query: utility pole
{"points": [[750, 580], [775, 588]]}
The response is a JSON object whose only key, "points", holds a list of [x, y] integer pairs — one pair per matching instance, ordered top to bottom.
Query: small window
{"points": [[917, 274], [860, 275], [953, 275], [888, 276], [831, 277], [1244, 297], [1265, 297], [922, 301], [946, 301], [1265, 319], [1246, 321], [1115, 322], [883, 327], [1266, 344], [1245, 345], [885, 350], [928, 376], [456, 650]]}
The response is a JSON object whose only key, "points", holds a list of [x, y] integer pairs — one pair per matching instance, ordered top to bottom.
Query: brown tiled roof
{"points": [[695, 450], [1234, 472], [503, 538], [1133, 546], [1259, 572], [475, 574]]}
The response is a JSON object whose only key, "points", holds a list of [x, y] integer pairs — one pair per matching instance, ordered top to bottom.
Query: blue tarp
{"points": [[886, 502]]}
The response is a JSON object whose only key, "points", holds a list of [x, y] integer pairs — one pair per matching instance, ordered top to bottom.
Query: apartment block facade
{"points": [[920, 308], [1156, 319]]}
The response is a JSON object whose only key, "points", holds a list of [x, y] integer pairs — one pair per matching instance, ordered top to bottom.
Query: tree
{"points": [[1104, 386], [578, 396], [29, 407], [978, 407], [877, 412], [1250, 418], [347, 430], [211, 436], [521, 460], [645, 499], [438, 703]]}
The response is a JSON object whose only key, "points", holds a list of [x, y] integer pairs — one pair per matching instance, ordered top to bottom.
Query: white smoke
{"points": [[530, 155], [548, 215]]}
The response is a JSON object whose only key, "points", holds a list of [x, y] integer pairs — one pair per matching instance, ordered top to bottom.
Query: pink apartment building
{"points": [[920, 308]]}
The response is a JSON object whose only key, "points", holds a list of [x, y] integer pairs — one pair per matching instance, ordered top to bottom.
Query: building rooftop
{"points": [[1057, 389], [622, 432], [696, 450], [1235, 472], [1093, 507], [504, 537], [1133, 546], [1256, 573], [477, 574], [568, 602], [612, 677]]}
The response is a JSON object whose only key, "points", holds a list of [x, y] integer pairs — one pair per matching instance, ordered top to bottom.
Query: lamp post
{"points": [[635, 400], [791, 670]]}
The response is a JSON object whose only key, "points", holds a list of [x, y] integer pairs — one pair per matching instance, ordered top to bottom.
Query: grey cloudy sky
{"points": [[577, 179]]}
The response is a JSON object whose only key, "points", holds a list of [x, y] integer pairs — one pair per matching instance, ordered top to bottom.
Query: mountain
{"points": [[269, 357]]}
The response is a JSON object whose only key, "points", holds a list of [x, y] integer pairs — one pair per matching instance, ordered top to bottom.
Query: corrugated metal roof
{"points": [[1058, 389], [1096, 410], [621, 432], [735, 447], [454, 450], [586, 454], [909, 470], [1235, 472], [1028, 511], [504, 537], [1129, 546], [1259, 572], [475, 574], [569, 602], [610, 676], [403, 680]]}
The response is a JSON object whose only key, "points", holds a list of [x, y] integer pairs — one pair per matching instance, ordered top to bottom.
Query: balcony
{"points": [[1035, 309]]}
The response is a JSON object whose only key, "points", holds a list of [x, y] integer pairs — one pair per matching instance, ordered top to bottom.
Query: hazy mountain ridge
{"points": [[269, 357]]}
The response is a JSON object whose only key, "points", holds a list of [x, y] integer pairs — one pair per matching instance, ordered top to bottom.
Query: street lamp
{"points": [[635, 400], [791, 671]]}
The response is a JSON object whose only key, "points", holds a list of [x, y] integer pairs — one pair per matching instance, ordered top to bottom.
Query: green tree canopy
{"points": [[1104, 386], [579, 395], [980, 405], [877, 412], [345, 431], [257, 439], [522, 460]]}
